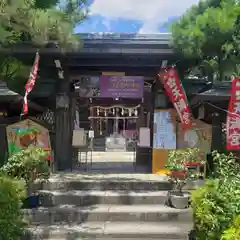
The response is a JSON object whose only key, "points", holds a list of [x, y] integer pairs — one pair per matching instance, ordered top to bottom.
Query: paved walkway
{"points": [[113, 156], [109, 162]]}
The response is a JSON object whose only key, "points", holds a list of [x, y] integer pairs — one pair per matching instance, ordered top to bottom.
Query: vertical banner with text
{"points": [[30, 83], [176, 93], [233, 117]]}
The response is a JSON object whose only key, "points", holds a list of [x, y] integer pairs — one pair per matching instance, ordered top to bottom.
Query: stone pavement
{"points": [[110, 162], [107, 206]]}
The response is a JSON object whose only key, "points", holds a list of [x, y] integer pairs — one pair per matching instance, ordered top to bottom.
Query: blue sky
{"points": [[133, 16]]}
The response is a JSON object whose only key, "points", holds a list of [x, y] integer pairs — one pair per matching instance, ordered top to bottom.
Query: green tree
{"points": [[40, 21], [36, 22], [209, 31]]}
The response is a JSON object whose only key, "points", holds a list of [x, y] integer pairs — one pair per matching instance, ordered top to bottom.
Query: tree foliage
{"points": [[40, 21], [37, 22], [210, 31]]}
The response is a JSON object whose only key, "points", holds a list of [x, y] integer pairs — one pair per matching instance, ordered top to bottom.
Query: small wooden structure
{"points": [[215, 104], [10, 110]]}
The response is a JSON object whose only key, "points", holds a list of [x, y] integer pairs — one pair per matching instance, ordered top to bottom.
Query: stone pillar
{"points": [[64, 127]]}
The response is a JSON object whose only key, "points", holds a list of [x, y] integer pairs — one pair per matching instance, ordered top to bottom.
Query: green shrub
{"points": [[28, 164], [226, 165], [12, 192], [216, 204], [233, 232]]}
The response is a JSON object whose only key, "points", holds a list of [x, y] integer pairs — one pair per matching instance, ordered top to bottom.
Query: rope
{"points": [[116, 106]]}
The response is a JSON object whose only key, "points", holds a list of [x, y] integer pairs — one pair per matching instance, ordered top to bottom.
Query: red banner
{"points": [[30, 83], [175, 92], [233, 117]]}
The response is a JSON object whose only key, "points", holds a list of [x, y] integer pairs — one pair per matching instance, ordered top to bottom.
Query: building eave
{"points": [[126, 36], [107, 43], [217, 93]]}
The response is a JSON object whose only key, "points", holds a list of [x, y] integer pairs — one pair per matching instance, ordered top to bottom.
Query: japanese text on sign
{"points": [[121, 86], [177, 95], [233, 117]]}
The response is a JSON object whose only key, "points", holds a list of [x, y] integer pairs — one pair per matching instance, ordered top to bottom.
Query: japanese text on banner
{"points": [[30, 83], [177, 95], [233, 118]]}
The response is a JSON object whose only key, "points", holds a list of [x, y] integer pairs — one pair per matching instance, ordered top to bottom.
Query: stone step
{"points": [[123, 155], [112, 168], [87, 181], [106, 185], [85, 198], [131, 213], [114, 230], [106, 238]]}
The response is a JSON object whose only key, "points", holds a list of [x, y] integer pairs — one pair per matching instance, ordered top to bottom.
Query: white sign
{"points": [[91, 134], [164, 135], [144, 137], [79, 138]]}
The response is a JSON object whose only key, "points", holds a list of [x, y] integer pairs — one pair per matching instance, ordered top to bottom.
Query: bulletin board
{"points": [[164, 137]]}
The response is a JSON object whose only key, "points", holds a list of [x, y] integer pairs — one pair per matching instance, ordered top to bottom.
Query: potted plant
{"points": [[192, 158], [195, 163], [29, 164], [179, 174], [177, 198]]}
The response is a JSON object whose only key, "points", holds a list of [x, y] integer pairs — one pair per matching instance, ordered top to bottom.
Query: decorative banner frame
{"points": [[26, 133]]}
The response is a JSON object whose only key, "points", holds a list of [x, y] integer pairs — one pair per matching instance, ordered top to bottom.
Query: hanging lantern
{"points": [[98, 111], [113, 111], [122, 111], [105, 112], [129, 112], [136, 112]]}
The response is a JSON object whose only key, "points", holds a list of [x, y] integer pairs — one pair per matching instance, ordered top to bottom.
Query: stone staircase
{"points": [[107, 206]]}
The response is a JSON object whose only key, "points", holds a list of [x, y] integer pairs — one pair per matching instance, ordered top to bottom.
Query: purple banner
{"points": [[121, 86]]}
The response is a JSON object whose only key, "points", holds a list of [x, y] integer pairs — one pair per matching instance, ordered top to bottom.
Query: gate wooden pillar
{"points": [[64, 126], [217, 143], [75, 151], [144, 154]]}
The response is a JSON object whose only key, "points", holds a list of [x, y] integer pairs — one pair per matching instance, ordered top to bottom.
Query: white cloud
{"points": [[150, 12], [107, 24]]}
